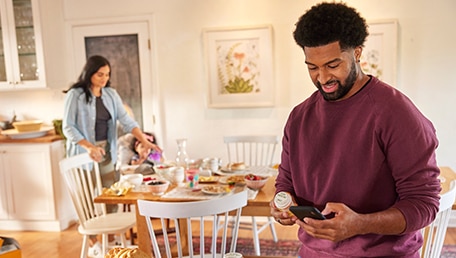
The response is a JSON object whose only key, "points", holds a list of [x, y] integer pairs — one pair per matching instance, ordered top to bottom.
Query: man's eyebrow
{"points": [[327, 63]]}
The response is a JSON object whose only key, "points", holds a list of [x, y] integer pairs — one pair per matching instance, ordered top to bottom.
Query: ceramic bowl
{"points": [[28, 126], [164, 170], [177, 175], [134, 179], [255, 182], [157, 187]]}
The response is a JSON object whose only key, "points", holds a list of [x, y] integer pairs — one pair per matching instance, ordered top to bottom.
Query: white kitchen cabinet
{"points": [[21, 50], [32, 191]]}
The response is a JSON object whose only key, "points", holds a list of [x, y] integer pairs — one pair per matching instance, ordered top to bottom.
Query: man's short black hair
{"points": [[326, 23]]}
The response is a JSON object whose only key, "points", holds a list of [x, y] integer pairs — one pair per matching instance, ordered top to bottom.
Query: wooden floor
{"points": [[67, 244]]}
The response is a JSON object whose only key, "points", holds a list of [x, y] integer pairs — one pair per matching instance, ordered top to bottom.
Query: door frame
{"points": [[141, 25]]}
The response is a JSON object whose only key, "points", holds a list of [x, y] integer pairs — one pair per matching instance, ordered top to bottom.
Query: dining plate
{"points": [[14, 134], [229, 170], [208, 179], [238, 180], [215, 189]]}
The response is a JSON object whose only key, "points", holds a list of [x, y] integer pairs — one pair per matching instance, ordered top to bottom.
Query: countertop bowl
{"points": [[28, 126], [255, 182], [157, 187]]}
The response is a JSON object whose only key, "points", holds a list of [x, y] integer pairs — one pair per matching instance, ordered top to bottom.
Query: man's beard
{"points": [[342, 89]]}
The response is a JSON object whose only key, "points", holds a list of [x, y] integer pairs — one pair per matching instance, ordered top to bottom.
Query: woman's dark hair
{"points": [[326, 23], [93, 64]]}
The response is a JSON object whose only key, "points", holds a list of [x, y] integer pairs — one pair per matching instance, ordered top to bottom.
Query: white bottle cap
{"points": [[282, 200]]}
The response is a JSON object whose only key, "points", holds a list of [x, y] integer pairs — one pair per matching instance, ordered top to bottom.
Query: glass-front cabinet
{"points": [[21, 52]]}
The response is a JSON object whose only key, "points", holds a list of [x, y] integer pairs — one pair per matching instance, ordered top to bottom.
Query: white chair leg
{"points": [[272, 227], [123, 240], [256, 240], [104, 243], [85, 246]]}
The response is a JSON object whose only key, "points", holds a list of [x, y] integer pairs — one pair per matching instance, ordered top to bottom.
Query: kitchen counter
{"points": [[49, 137]]}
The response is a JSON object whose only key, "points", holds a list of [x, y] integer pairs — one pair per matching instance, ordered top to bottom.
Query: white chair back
{"points": [[254, 150], [83, 180], [186, 212], [434, 234]]}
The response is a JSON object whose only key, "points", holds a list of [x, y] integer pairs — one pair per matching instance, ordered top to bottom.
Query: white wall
{"points": [[426, 51]]}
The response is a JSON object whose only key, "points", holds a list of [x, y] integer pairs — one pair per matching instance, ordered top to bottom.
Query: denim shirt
{"points": [[79, 119]]}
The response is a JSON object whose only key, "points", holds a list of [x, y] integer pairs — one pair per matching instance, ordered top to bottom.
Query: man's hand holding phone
{"points": [[302, 212]]}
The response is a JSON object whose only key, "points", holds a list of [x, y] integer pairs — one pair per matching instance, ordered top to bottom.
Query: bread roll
{"points": [[237, 166], [119, 252]]}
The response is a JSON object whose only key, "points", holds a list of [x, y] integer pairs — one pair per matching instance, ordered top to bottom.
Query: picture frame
{"points": [[379, 57], [239, 66]]}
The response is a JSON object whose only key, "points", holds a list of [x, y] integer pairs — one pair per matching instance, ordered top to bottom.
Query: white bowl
{"points": [[164, 170], [134, 179], [255, 184], [157, 187]]}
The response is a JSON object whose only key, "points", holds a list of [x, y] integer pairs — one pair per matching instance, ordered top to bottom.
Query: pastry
{"points": [[119, 252]]}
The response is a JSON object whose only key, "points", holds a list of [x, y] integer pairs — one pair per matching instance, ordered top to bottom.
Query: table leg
{"points": [[143, 234]]}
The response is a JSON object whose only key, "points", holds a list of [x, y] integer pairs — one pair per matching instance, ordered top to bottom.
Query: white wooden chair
{"points": [[254, 150], [83, 181], [184, 212], [434, 234]]}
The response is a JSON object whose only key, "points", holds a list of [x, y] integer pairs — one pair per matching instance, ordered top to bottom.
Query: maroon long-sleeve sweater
{"points": [[372, 151]]}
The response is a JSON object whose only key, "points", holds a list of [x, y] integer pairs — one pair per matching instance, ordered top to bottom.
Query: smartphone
{"points": [[306, 211]]}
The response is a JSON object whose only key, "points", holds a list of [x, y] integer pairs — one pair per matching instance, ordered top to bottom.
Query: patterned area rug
{"points": [[245, 246], [448, 251]]}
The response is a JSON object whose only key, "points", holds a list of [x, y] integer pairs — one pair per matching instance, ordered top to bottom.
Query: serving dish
{"points": [[14, 134], [215, 189]]}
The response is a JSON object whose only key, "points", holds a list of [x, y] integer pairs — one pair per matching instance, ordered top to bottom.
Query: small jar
{"points": [[283, 201]]}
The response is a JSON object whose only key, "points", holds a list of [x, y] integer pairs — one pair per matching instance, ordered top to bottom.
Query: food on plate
{"points": [[236, 166], [276, 166], [207, 179], [235, 179], [215, 189], [119, 252]]}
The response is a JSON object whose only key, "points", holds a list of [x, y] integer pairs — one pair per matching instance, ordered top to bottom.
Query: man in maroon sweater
{"points": [[357, 149]]}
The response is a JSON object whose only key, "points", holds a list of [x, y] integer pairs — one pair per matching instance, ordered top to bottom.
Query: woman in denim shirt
{"points": [[92, 109]]}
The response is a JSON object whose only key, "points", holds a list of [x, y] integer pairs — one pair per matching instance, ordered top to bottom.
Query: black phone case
{"points": [[306, 211]]}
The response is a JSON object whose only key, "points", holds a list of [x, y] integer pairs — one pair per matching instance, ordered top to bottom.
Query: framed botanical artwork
{"points": [[379, 56], [239, 66]]}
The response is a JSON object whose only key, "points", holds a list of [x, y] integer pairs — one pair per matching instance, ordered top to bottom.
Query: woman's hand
{"points": [[96, 153]]}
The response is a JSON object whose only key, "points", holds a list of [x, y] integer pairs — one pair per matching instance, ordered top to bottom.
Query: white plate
{"points": [[14, 134], [229, 170], [208, 179], [224, 180], [214, 189]]}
